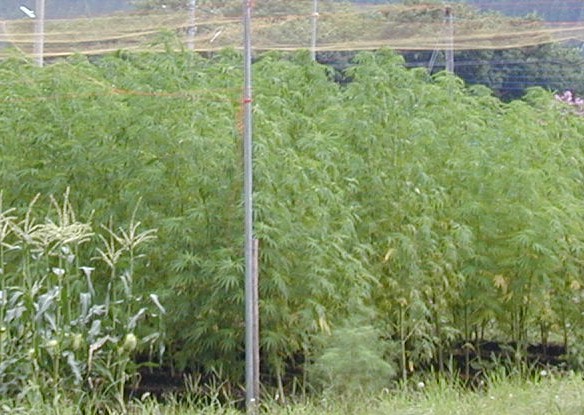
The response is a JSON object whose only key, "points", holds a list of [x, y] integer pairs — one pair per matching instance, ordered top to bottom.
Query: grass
{"points": [[550, 395]]}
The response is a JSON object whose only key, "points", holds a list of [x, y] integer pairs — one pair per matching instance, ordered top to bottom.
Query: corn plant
{"points": [[64, 335]]}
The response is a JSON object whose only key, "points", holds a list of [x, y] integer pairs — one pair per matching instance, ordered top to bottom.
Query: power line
{"points": [[99, 35]]}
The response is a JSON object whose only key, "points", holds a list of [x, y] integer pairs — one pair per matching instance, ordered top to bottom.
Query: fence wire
{"points": [[341, 27]]}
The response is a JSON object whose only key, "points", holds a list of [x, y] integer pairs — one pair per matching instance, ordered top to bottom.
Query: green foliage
{"points": [[511, 72], [448, 213], [458, 244], [65, 335], [352, 360], [502, 396]]}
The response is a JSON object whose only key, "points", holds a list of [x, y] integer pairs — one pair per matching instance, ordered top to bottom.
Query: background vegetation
{"points": [[508, 52]]}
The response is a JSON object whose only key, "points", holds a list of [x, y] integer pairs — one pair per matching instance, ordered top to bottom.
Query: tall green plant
{"points": [[450, 214], [64, 337]]}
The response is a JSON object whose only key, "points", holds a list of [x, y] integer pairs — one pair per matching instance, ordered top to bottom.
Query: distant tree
{"points": [[510, 72]]}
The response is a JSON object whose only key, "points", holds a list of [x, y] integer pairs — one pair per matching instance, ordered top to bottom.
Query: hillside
{"points": [[551, 10], [284, 26], [506, 53]]}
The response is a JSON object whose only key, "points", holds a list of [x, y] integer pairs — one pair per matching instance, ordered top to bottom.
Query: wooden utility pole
{"points": [[39, 32], [450, 48], [251, 245]]}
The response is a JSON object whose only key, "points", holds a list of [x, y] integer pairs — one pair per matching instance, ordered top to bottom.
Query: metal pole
{"points": [[314, 29], [192, 30], [39, 31], [450, 49], [251, 283], [256, 318]]}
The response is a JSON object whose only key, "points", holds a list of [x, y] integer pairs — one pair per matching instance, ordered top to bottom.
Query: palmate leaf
{"points": [[395, 186]]}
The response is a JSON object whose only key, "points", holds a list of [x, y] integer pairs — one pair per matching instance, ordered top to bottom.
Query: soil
{"points": [[471, 361]]}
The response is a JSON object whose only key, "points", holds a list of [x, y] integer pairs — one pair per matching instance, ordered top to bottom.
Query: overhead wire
{"points": [[367, 27], [136, 31]]}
